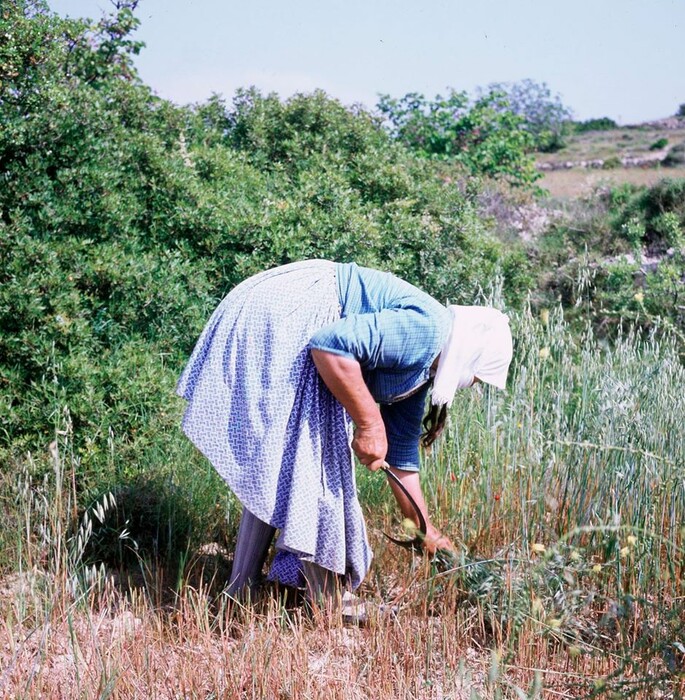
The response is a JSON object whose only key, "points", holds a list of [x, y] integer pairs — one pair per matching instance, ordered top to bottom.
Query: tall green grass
{"points": [[566, 497]]}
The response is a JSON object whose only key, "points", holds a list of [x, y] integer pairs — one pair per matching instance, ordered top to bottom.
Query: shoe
{"points": [[353, 610]]}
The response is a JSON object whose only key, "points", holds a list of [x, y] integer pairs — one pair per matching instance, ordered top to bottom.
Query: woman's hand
{"points": [[370, 444], [435, 541]]}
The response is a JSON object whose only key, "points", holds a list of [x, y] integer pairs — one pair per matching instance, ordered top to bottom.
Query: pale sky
{"points": [[624, 59]]}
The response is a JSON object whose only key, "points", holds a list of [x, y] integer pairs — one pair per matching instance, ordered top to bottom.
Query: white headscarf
{"points": [[479, 345]]}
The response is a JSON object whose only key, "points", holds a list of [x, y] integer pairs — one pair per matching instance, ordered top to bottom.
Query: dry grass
{"points": [[580, 182], [434, 644], [109, 645]]}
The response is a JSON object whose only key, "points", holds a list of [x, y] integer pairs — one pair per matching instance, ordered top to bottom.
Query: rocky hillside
{"points": [[647, 145]]}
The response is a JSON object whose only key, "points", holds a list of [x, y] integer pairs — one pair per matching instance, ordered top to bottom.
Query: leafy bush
{"points": [[544, 114], [599, 124], [485, 136], [659, 144], [611, 163], [650, 207], [621, 257]]}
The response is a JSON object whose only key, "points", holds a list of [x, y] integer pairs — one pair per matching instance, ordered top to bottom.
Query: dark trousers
{"points": [[252, 546]]}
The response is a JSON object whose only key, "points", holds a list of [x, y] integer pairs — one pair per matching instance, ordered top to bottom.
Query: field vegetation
{"points": [[648, 143], [584, 183], [124, 219]]}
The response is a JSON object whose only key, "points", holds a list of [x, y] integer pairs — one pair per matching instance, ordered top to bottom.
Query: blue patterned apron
{"points": [[258, 410]]}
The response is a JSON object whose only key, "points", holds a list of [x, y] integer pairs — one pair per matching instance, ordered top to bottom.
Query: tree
{"points": [[544, 115], [484, 135], [91, 170], [124, 218]]}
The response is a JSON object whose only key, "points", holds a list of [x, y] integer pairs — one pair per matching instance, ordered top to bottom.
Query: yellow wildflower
{"points": [[409, 526]]}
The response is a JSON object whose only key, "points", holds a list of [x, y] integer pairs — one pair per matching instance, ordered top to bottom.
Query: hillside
{"points": [[633, 154]]}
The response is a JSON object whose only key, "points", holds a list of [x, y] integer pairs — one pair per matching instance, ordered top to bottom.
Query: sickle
{"points": [[416, 542]]}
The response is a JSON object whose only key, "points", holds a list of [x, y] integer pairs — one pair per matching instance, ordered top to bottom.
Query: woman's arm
{"points": [[343, 376], [434, 539]]}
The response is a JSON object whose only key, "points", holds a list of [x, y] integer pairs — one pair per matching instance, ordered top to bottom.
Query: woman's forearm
{"points": [[343, 376], [410, 481], [434, 539]]}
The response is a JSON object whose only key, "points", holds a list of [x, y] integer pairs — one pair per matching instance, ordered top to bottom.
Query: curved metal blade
{"points": [[416, 542]]}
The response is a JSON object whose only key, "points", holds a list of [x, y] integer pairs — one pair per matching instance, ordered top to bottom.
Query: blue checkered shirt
{"points": [[394, 331]]}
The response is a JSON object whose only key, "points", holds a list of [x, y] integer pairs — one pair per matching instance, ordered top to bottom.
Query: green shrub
{"points": [[544, 115], [600, 124], [485, 135], [659, 144], [675, 156], [611, 163], [647, 206], [600, 251]]}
